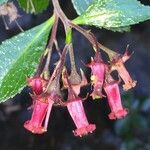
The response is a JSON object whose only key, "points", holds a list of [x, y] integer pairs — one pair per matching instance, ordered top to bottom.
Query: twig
{"points": [[90, 36], [50, 46]]}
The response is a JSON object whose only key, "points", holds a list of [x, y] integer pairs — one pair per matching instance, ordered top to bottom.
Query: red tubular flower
{"points": [[118, 64], [98, 71], [123, 73], [37, 84], [114, 101], [76, 110], [39, 112]]}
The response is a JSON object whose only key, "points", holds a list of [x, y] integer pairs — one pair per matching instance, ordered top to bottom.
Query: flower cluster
{"points": [[101, 78], [47, 87], [47, 93], [43, 102]]}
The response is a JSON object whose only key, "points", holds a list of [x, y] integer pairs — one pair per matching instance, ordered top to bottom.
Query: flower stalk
{"points": [[49, 48]]}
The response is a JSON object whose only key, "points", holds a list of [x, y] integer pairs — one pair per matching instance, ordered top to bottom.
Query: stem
{"points": [[32, 5], [28, 6], [59, 12], [64, 19], [68, 24], [6, 26], [19, 26], [68, 35], [92, 39], [49, 47], [57, 47], [71, 52], [72, 59], [58, 68], [39, 70], [75, 78], [71, 94]]}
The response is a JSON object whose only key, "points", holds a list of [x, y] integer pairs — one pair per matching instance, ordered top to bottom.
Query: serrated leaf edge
{"points": [[47, 24]]}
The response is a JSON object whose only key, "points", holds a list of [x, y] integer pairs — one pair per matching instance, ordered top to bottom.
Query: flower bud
{"points": [[37, 84], [76, 86]]}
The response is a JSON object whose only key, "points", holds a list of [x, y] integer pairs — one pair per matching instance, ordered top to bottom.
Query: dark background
{"points": [[130, 133]]}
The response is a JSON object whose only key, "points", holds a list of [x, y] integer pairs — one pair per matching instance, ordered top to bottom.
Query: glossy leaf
{"points": [[3, 1], [81, 5], [34, 6], [113, 14], [120, 29], [19, 57]]}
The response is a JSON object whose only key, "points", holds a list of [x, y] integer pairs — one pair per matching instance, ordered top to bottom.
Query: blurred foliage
{"points": [[3, 1], [34, 6], [134, 129]]}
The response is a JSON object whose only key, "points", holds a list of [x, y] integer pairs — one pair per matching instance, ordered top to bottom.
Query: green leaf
{"points": [[3, 1], [81, 5], [34, 6], [113, 14], [120, 29], [19, 56]]}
